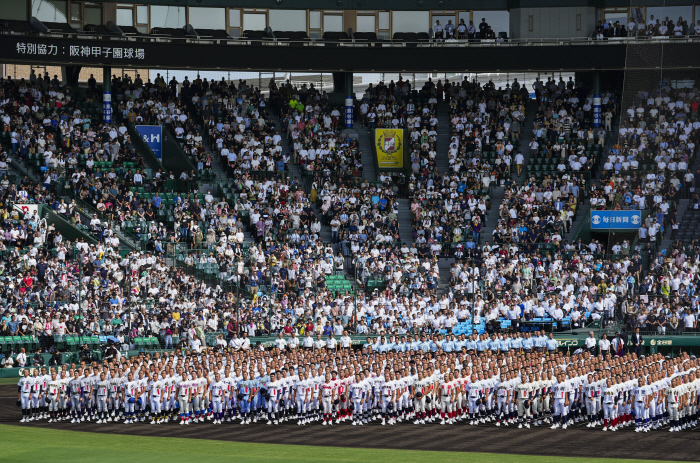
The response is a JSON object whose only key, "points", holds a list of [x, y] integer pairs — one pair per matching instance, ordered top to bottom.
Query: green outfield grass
{"points": [[6, 381], [24, 444]]}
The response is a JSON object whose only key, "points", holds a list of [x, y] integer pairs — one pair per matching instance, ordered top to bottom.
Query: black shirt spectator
{"points": [[483, 28], [38, 359]]}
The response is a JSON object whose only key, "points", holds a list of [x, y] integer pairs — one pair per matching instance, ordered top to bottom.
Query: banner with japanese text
{"points": [[620, 220]]}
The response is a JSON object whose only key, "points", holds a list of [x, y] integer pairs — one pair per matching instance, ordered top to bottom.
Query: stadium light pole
{"points": [[80, 291], [354, 307]]}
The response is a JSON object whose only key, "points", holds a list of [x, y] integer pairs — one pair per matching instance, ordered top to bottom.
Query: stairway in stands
{"points": [[444, 132], [526, 134], [364, 139], [217, 164], [295, 172], [584, 208], [404, 219], [489, 226], [444, 284]]}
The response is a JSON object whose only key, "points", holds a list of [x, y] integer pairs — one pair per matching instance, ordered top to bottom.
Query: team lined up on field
{"points": [[529, 389]]}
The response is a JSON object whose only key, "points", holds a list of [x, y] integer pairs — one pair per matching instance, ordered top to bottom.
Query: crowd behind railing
{"points": [[251, 259]]}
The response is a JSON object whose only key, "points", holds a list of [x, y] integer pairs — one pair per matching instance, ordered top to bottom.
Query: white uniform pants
{"points": [[102, 403], [357, 403], [385, 403], [419, 404], [445, 404], [501, 404], [53, 405], [156, 405], [184, 405], [327, 405], [473, 407], [559, 407], [609, 411], [673, 412]]}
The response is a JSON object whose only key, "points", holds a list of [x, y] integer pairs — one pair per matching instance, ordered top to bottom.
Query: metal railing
{"points": [[87, 210]]}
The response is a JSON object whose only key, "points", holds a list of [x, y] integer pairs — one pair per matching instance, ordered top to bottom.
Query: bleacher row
{"points": [[541, 166], [165, 213], [689, 225], [338, 284], [534, 324], [69, 343]]}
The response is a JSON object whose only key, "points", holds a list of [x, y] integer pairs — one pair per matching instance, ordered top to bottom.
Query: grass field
{"points": [[22, 444]]}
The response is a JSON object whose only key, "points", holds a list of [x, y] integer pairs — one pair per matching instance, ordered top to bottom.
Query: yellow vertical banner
{"points": [[389, 145]]}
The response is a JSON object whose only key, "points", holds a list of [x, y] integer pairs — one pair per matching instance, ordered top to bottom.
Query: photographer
{"points": [[110, 352], [85, 354], [38, 359], [55, 359]]}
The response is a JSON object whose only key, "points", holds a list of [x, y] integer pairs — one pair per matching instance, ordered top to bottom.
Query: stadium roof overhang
{"points": [[402, 5], [241, 55]]}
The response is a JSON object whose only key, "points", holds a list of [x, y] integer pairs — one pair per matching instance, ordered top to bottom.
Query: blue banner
{"points": [[107, 107], [349, 108], [597, 111], [152, 135], [616, 220]]}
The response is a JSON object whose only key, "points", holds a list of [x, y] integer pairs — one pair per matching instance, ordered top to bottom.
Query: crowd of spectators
{"points": [[653, 27], [463, 31], [658, 132], [650, 165], [263, 244]]}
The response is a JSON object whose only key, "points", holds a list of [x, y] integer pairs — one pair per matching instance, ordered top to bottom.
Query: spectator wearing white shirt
{"points": [[689, 321], [280, 342], [331, 342], [591, 343], [604, 345], [21, 359]]}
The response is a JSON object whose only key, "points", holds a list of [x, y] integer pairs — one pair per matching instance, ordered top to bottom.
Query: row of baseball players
{"points": [[509, 393]]}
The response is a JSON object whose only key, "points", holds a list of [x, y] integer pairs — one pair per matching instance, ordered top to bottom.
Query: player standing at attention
{"points": [[37, 384], [102, 391], [24, 392], [53, 396], [75, 396], [272, 396], [216, 397], [184, 398], [244, 398], [357, 398], [327, 400], [673, 401]]}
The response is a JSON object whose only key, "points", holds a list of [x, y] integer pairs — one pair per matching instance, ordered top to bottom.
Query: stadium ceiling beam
{"points": [[402, 5]]}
